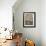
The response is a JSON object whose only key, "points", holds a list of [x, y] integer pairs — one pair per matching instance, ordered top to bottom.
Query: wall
{"points": [[6, 13], [6, 16], [43, 22], [29, 33]]}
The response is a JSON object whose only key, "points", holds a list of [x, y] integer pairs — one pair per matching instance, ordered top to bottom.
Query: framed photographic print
{"points": [[29, 19]]}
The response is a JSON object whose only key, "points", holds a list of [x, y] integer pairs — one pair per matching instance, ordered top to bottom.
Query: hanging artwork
{"points": [[29, 19]]}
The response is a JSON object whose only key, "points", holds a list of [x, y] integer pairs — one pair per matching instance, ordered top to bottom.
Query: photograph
{"points": [[29, 19]]}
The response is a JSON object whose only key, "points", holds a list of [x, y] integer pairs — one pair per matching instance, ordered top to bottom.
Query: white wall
{"points": [[6, 13], [43, 22], [29, 33]]}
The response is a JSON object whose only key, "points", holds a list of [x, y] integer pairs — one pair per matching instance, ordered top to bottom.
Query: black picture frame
{"points": [[29, 19]]}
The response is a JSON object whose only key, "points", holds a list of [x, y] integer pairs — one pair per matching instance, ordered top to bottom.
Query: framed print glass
{"points": [[29, 19]]}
